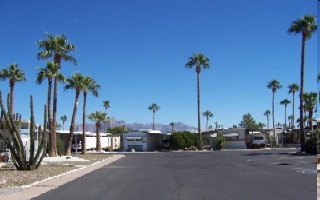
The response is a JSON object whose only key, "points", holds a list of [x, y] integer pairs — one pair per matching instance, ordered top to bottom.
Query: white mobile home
{"points": [[235, 138], [107, 140], [142, 140]]}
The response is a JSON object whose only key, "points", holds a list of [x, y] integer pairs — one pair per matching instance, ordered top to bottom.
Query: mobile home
{"points": [[142, 140]]}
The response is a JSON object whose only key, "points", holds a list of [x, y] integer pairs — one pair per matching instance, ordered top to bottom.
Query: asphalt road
{"points": [[225, 175]]}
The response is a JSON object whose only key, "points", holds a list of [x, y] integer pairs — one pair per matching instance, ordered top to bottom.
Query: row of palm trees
{"points": [[305, 26], [56, 48], [309, 103]]}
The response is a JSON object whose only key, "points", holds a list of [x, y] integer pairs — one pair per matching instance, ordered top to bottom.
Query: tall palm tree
{"points": [[305, 26], [58, 48], [198, 61], [51, 71], [14, 74], [76, 82], [89, 85], [274, 85], [293, 88], [310, 100], [285, 102], [106, 105], [154, 108], [207, 114], [267, 114], [98, 117], [63, 118], [290, 119], [172, 125]]}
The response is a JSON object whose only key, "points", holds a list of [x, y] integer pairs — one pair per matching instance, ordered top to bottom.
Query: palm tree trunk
{"points": [[301, 94], [11, 97], [198, 103], [293, 110], [285, 116], [54, 117], [310, 118], [153, 120], [73, 121], [84, 123], [207, 123], [274, 130], [98, 147], [52, 149]]}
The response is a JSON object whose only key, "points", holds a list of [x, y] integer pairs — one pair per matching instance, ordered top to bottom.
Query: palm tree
{"points": [[305, 26], [58, 48], [198, 61], [51, 71], [14, 74], [76, 82], [274, 85], [91, 86], [292, 89], [310, 100], [285, 102], [106, 105], [154, 108], [207, 114], [267, 114], [98, 117], [63, 118], [290, 119], [172, 125]]}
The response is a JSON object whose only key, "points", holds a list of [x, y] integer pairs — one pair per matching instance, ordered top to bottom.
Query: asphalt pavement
{"points": [[220, 175]]}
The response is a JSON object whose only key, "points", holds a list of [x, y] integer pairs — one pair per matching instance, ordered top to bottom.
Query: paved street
{"points": [[225, 175]]}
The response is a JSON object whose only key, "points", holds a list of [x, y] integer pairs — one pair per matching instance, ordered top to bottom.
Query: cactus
{"points": [[12, 137]]}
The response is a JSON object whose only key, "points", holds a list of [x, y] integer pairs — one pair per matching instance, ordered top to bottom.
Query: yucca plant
{"points": [[10, 133]]}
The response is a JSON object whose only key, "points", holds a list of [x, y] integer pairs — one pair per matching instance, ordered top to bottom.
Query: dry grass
{"points": [[13, 178]]}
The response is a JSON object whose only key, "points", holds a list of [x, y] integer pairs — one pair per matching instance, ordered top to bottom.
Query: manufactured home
{"points": [[107, 140], [142, 140]]}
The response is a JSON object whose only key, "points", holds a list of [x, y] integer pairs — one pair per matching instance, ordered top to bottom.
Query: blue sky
{"points": [[137, 50]]}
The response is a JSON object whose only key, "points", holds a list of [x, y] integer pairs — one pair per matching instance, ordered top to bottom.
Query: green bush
{"points": [[182, 140], [221, 142], [311, 144], [60, 147]]}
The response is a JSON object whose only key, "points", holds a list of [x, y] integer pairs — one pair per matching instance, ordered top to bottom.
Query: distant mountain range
{"points": [[179, 126]]}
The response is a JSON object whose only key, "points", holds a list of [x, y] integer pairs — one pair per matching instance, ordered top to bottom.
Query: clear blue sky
{"points": [[137, 50]]}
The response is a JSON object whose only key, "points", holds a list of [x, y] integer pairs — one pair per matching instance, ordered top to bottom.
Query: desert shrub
{"points": [[221, 142]]}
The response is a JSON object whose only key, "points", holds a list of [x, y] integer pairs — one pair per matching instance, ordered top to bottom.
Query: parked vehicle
{"points": [[255, 140]]}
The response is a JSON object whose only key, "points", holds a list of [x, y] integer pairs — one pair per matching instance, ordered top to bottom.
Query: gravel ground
{"points": [[14, 179]]}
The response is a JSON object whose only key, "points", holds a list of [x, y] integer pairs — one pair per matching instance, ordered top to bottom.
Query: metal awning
{"points": [[231, 134], [133, 138]]}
